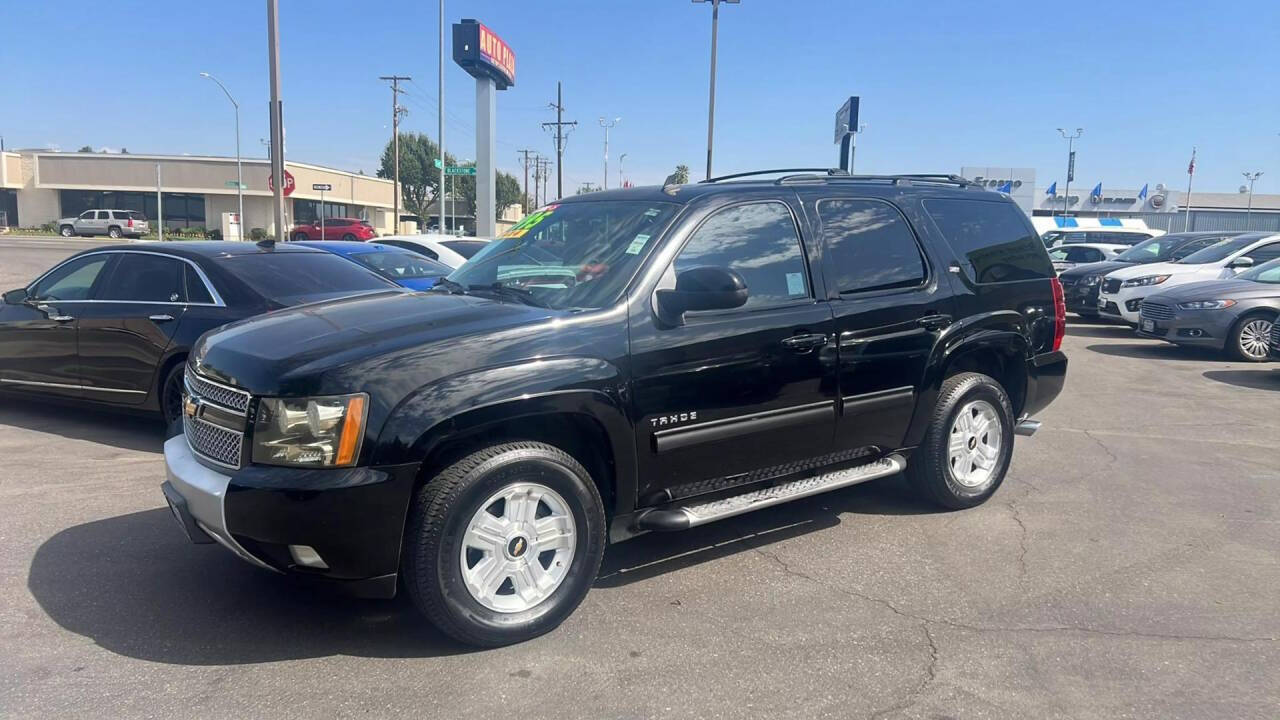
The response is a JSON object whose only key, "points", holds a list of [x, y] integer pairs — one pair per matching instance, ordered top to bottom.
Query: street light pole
{"points": [[711, 103], [277, 118], [606, 126], [1071, 161], [239, 171], [1251, 177], [621, 179]]}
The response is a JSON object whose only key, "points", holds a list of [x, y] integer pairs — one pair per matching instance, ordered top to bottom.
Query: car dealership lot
{"points": [[1130, 565]]}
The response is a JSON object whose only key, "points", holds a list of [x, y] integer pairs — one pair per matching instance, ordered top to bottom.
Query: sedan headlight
{"points": [[1091, 280], [1145, 281], [1206, 304], [310, 432]]}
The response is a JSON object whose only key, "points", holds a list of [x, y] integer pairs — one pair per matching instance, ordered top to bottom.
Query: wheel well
{"points": [[1007, 368], [164, 373], [579, 435]]}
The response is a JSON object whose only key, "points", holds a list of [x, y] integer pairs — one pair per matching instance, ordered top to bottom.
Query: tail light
{"points": [[130, 222], [1059, 314]]}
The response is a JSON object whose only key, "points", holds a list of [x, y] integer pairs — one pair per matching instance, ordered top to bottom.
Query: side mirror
{"points": [[1244, 261], [702, 288], [15, 297]]}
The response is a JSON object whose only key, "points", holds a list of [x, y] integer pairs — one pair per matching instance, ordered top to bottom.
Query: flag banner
{"points": [[1191, 169], [1053, 189], [1142, 194]]}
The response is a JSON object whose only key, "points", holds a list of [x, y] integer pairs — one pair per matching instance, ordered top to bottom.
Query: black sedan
{"points": [[1080, 284], [113, 325]]}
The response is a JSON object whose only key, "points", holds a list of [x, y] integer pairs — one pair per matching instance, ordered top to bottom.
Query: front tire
{"points": [[67, 231], [299, 237], [348, 238], [1249, 338], [967, 447], [504, 544]]}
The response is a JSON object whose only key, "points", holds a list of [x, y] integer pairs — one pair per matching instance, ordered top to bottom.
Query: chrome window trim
{"points": [[213, 292]]}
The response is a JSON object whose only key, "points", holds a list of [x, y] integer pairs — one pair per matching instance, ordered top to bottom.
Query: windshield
{"points": [[1152, 250], [1215, 253], [579, 254], [401, 264], [1267, 272], [293, 278]]}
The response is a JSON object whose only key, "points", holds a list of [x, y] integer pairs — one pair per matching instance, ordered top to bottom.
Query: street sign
{"points": [[847, 118], [438, 165], [454, 170], [288, 183], [234, 184], [326, 187]]}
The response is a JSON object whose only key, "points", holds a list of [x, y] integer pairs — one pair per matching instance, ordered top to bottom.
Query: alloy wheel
{"points": [[1253, 338], [973, 447]]}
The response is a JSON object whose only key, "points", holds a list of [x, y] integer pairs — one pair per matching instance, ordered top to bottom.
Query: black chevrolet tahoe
{"points": [[622, 362]]}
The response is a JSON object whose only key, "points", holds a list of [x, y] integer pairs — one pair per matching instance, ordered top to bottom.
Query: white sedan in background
{"points": [[448, 249], [1065, 257], [1122, 290]]}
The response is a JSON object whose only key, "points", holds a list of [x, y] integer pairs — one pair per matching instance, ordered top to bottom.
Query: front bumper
{"points": [[1081, 299], [1124, 304], [1198, 328], [352, 517]]}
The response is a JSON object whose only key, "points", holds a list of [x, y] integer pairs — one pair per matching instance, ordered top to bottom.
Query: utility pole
{"points": [[711, 104], [396, 112], [277, 117], [440, 117], [606, 125], [561, 137], [1071, 166], [541, 174], [537, 176], [1251, 177], [524, 201], [159, 204]]}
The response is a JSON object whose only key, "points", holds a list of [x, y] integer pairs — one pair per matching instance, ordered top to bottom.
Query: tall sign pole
{"points": [[492, 63], [277, 117], [440, 118], [846, 130], [1071, 166], [1191, 173], [159, 205]]}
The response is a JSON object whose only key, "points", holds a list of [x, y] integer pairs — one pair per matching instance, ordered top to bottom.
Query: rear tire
{"points": [[67, 231], [114, 232], [300, 237], [348, 238], [1248, 340], [171, 399], [967, 447], [447, 553]]}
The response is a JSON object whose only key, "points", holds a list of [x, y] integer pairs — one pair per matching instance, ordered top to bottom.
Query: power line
{"points": [[396, 112], [559, 125]]}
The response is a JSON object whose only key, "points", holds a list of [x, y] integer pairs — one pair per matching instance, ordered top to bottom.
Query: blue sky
{"points": [[943, 84]]}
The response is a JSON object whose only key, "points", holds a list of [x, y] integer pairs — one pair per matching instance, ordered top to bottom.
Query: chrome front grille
{"points": [[1066, 281], [1111, 286], [1156, 311], [227, 397], [215, 418], [214, 442]]}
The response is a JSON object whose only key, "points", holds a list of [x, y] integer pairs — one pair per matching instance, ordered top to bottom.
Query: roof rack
{"points": [[830, 172], [903, 179]]}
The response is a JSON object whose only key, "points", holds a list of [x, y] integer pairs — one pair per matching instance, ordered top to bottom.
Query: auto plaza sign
{"points": [[481, 52]]}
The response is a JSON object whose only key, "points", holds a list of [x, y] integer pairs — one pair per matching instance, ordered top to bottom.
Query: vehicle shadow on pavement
{"points": [[1099, 330], [1156, 350], [1252, 379], [117, 429], [656, 553], [134, 586]]}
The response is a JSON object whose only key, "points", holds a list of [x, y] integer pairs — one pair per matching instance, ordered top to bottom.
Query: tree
{"points": [[85, 148], [419, 177], [679, 177], [587, 187], [506, 191]]}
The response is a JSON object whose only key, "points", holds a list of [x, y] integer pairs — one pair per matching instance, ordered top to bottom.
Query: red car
{"points": [[348, 229]]}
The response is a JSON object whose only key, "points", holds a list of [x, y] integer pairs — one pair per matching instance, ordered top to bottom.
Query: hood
{"points": [[1097, 268], [1164, 268], [1220, 290], [283, 352]]}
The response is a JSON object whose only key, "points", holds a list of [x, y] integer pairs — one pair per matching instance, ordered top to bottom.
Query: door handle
{"points": [[62, 318], [161, 318], [935, 322], [805, 342]]}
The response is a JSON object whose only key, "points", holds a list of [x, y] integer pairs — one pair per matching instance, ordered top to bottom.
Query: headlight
{"points": [[1092, 280], [1145, 281], [1206, 304], [309, 432]]}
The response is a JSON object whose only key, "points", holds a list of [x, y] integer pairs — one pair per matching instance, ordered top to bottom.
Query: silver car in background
{"points": [[114, 223], [1235, 315]]}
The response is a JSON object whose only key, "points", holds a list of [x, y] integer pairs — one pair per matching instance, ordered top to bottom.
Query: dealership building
{"points": [[39, 186], [1158, 205]]}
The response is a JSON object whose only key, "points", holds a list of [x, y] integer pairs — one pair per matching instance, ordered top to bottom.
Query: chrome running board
{"points": [[682, 517]]}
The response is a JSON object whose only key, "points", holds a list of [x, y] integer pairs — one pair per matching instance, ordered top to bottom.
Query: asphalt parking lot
{"points": [[1129, 567]]}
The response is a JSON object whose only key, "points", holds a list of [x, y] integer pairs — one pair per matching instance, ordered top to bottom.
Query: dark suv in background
{"points": [[623, 362]]}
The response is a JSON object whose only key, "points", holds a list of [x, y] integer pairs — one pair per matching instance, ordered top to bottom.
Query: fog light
{"points": [[1133, 305], [306, 556]]}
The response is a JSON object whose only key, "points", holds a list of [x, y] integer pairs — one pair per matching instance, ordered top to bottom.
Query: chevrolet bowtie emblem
{"points": [[191, 407]]}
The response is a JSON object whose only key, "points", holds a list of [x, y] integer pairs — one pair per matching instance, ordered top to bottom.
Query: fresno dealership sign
{"points": [[482, 53]]}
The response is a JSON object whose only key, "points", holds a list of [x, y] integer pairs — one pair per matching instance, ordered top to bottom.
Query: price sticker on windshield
{"points": [[529, 222], [637, 244]]}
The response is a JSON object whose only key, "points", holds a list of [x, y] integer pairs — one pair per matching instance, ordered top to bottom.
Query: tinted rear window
{"points": [[994, 239], [465, 248], [293, 278]]}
